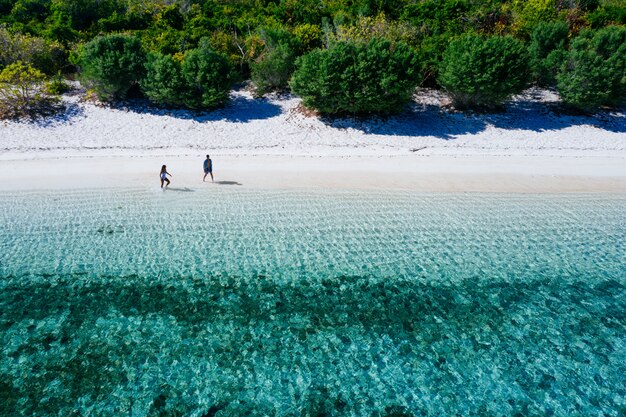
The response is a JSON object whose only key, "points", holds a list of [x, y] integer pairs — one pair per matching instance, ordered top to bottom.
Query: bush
{"points": [[305, 11], [529, 13], [611, 13], [83, 14], [435, 17], [368, 28], [308, 36], [236, 49], [547, 51], [430, 54], [46, 56], [111, 65], [271, 70], [482, 71], [593, 74], [208, 77], [377, 77], [201, 81], [163, 83], [57, 85], [22, 92]]}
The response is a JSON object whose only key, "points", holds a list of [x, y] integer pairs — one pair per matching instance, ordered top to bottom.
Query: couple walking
{"points": [[208, 169]]}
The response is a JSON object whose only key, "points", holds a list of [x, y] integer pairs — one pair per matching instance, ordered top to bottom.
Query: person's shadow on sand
{"points": [[180, 190], [190, 190]]}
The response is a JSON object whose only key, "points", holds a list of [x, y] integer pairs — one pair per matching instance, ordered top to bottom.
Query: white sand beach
{"points": [[529, 147]]}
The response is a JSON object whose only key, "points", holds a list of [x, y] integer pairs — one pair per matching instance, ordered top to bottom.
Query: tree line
{"points": [[340, 56]]}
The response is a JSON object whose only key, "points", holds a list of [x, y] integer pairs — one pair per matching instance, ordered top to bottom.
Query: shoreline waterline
{"points": [[435, 173]]}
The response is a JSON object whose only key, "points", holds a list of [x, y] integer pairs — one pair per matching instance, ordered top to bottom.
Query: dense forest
{"points": [[340, 56]]}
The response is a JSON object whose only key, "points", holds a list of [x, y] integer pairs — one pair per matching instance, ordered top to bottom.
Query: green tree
{"points": [[26, 11], [304, 11], [609, 12], [85, 13], [529, 13], [436, 16], [379, 26], [59, 28], [308, 36], [547, 51], [430, 53], [46, 56], [112, 64], [271, 70], [480, 71], [594, 73], [208, 77], [377, 77], [201, 81], [163, 83], [57, 85], [23, 92]]}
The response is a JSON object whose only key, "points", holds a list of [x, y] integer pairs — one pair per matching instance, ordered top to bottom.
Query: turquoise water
{"points": [[226, 301]]}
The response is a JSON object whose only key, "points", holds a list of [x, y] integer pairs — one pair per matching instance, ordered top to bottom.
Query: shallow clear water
{"points": [[225, 301]]}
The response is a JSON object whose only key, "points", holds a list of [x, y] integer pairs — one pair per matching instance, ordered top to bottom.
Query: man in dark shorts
{"points": [[208, 168]]}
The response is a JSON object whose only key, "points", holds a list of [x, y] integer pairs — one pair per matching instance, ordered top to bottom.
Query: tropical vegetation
{"points": [[160, 49], [484, 70], [357, 78], [24, 92]]}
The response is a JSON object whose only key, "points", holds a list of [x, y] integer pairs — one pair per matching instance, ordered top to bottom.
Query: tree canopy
{"points": [[68, 35], [481, 71], [354, 78]]}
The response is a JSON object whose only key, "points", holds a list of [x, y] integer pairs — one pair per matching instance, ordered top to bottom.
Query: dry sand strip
{"points": [[270, 144], [477, 173]]}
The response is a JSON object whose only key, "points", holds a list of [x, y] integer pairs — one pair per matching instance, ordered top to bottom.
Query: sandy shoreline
{"points": [[270, 144], [516, 174]]}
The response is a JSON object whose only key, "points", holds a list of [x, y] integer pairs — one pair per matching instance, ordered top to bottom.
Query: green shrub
{"points": [[26, 11], [305, 11], [85, 13], [529, 13], [606, 14], [435, 17], [59, 28], [368, 28], [308, 36], [166, 41], [237, 50], [547, 51], [430, 54], [46, 56], [111, 65], [272, 70], [480, 71], [594, 72], [208, 77], [377, 77], [201, 81], [163, 83], [57, 85], [22, 92]]}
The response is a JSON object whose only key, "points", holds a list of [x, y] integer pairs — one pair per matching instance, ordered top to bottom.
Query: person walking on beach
{"points": [[208, 168], [164, 175]]}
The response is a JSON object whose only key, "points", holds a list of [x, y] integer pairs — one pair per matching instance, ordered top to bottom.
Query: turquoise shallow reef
{"points": [[231, 302]]}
